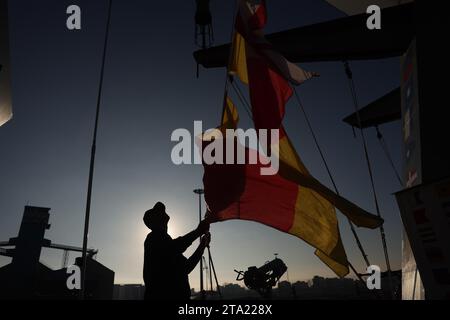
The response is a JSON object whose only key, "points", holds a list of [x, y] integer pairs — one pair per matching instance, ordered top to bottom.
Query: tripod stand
{"points": [[210, 260]]}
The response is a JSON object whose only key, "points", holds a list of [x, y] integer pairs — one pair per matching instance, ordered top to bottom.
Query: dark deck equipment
{"points": [[262, 279]]}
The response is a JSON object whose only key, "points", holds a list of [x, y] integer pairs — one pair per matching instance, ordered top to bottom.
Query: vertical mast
{"points": [[91, 167], [200, 192]]}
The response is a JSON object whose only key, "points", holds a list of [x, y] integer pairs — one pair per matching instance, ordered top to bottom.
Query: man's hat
{"points": [[154, 215]]}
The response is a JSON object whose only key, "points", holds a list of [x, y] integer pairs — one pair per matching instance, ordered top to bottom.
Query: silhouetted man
{"points": [[166, 270]]}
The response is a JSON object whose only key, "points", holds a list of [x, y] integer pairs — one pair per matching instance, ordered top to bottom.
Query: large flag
{"points": [[5, 73], [239, 191], [298, 203]]}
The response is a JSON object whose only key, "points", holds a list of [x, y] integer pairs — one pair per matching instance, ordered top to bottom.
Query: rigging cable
{"points": [[351, 83], [241, 98], [388, 154], [389, 157], [330, 175]]}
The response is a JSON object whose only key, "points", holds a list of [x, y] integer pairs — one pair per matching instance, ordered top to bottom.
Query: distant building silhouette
{"points": [[27, 278], [345, 287], [318, 288], [285, 290], [235, 291], [129, 292]]}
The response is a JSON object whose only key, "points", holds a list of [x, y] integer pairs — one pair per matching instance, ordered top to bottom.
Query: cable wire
{"points": [[351, 83]]}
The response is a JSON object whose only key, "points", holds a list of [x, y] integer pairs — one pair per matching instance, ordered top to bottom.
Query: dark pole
{"points": [[91, 167], [200, 192], [210, 271], [214, 272]]}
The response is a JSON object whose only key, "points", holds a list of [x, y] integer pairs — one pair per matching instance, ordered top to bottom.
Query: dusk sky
{"points": [[150, 89]]}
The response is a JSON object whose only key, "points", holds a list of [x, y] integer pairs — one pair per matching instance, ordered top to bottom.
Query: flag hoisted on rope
{"points": [[298, 203]]}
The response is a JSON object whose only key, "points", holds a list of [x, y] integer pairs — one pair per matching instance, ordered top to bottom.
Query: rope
{"points": [[230, 53], [349, 74], [241, 98], [388, 154], [330, 175], [356, 273], [415, 284]]}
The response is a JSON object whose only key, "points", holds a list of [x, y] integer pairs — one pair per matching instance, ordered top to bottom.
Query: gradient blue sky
{"points": [[150, 89]]}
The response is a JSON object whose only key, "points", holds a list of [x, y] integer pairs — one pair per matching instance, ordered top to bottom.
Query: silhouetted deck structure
{"points": [[27, 278]]}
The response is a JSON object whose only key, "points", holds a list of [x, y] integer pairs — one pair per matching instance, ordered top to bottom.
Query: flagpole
{"points": [[91, 166]]}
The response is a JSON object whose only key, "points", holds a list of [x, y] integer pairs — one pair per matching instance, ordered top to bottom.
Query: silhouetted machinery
{"points": [[203, 25], [28, 278], [262, 279]]}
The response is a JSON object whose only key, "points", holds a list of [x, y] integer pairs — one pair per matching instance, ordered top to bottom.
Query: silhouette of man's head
{"points": [[157, 218]]}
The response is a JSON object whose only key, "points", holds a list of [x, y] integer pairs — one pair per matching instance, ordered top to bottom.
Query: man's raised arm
{"points": [[184, 242]]}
